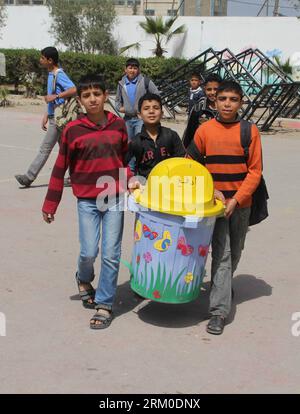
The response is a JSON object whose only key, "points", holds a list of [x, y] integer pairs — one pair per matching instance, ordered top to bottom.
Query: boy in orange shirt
{"points": [[217, 142]]}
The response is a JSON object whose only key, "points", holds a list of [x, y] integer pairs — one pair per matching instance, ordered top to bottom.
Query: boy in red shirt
{"points": [[218, 144], [93, 148]]}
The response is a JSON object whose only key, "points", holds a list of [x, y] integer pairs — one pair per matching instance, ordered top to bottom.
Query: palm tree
{"points": [[162, 32]]}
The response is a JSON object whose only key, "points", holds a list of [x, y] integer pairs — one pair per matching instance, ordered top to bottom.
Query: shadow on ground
{"points": [[246, 287]]}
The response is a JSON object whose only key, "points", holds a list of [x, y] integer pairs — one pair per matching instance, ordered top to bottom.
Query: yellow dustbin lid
{"points": [[182, 187]]}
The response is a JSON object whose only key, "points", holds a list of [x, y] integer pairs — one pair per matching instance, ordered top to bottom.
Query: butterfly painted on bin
{"points": [[138, 231], [148, 233], [163, 244], [186, 249]]}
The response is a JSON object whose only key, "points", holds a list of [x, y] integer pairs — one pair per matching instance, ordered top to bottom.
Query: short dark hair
{"points": [[50, 53], [132, 62], [196, 75], [213, 77], [91, 81], [232, 86], [149, 97]]}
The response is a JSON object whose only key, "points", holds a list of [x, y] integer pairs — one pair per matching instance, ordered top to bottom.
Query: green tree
{"points": [[2, 14], [84, 25], [162, 32]]}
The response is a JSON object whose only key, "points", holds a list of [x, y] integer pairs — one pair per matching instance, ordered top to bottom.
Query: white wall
{"points": [[28, 26]]}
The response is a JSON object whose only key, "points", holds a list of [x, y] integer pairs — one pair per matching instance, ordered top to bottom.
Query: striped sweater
{"points": [[90, 152], [224, 158]]}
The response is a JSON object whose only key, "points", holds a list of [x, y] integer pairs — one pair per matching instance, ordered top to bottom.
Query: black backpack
{"points": [[259, 208]]}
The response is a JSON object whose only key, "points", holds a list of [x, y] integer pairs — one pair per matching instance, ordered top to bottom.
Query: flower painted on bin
{"points": [[203, 250], [148, 257], [138, 259], [188, 278], [156, 294]]}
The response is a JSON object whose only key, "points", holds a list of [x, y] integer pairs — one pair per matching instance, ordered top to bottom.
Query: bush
{"points": [[21, 62]]}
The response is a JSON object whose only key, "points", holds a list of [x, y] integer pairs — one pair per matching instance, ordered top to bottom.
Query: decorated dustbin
{"points": [[175, 218]]}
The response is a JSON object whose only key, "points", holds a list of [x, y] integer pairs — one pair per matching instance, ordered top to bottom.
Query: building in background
{"points": [[25, 2], [172, 7]]}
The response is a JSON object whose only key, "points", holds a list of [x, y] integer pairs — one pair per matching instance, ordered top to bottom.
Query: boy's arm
{"points": [[67, 86], [153, 88], [119, 99], [178, 148], [196, 149], [125, 150], [254, 164], [56, 184]]}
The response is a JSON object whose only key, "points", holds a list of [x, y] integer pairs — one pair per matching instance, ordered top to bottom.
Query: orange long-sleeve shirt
{"points": [[224, 158]]}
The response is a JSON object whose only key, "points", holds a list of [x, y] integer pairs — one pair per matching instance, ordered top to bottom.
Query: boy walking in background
{"points": [[59, 87], [195, 92], [204, 109], [218, 143], [94, 147]]}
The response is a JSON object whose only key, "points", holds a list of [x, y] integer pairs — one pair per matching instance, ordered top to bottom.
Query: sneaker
{"points": [[23, 180], [216, 325]]}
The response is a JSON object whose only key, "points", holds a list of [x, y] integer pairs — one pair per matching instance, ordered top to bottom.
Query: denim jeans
{"points": [[134, 127], [51, 138], [90, 220], [227, 245]]}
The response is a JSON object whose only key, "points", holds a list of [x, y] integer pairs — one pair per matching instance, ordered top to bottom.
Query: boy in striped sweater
{"points": [[217, 142], [93, 148]]}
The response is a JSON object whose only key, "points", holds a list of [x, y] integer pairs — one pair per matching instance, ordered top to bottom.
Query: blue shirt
{"points": [[62, 84], [131, 89]]}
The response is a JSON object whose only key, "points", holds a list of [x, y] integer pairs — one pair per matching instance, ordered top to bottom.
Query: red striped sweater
{"points": [[90, 152], [224, 158]]}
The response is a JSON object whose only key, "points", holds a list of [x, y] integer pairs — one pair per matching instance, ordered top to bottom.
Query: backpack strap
{"points": [[55, 81], [245, 136]]}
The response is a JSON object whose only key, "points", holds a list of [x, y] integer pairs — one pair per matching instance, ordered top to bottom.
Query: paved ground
{"points": [[150, 347]]}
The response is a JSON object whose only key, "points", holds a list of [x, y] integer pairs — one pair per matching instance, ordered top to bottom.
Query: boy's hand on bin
{"points": [[134, 186], [218, 195], [230, 207], [48, 218]]}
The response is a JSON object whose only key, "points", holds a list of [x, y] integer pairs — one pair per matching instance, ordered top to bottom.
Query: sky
{"points": [[252, 7]]}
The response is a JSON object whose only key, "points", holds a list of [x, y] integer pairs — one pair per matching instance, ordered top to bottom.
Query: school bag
{"points": [[67, 111], [259, 208]]}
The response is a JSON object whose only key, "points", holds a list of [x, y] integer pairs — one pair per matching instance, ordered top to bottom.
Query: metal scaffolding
{"points": [[268, 92]]}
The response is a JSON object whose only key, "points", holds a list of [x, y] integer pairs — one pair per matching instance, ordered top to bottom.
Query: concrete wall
{"points": [[29, 27]]}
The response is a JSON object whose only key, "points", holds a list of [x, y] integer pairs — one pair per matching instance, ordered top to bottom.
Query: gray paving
{"points": [[150, 347]]}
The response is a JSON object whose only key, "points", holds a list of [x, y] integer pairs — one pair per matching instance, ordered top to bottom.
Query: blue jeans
{"points": [[134, 127], [90, 219]]}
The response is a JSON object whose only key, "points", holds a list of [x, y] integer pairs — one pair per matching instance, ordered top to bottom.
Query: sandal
{"points": [[87, 296], [103, 316]]}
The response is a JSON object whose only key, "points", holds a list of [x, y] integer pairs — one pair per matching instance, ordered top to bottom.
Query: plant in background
{"points": [[84, 25], [161, 30], [285, 66], [4, 92]]}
